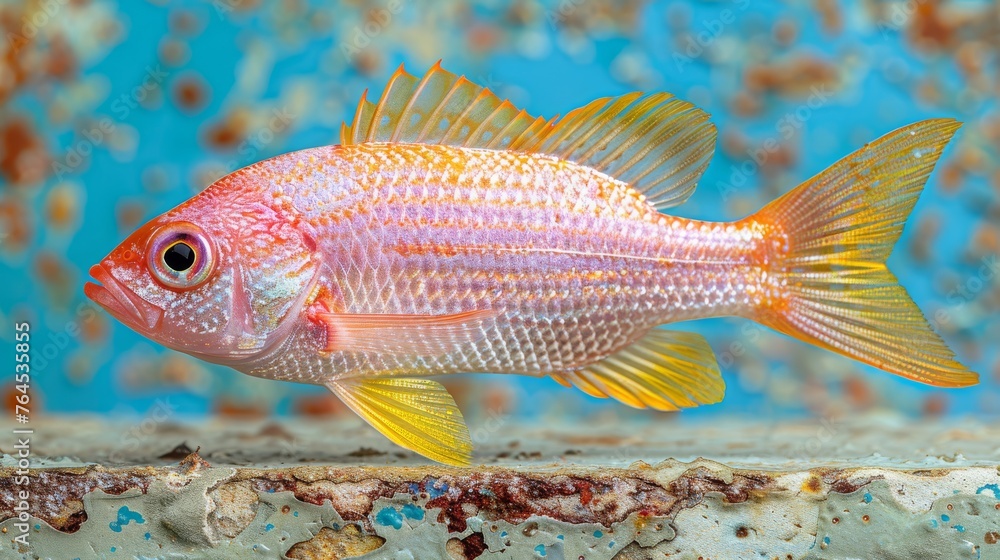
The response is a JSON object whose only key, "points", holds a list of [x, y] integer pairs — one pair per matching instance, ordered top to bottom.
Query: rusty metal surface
{"points": [[870, 487]]}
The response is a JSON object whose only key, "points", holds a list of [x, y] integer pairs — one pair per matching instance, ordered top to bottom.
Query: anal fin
{"points": [[664, 370], [417, 414]]}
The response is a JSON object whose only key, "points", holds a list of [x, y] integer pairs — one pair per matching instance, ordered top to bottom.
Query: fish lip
{"points": [[123, 304]]}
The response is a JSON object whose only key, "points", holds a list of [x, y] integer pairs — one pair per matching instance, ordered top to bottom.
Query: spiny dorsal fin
{"points": [[440, 108], [655, 142], [664, 370]]}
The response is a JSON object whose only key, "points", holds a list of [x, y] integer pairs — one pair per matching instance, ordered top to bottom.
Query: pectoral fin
{"points": [[402, 335], [664, 370], [416, 414]]}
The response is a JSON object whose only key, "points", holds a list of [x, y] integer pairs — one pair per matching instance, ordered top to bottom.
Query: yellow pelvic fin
{"points": [[655, 142], [831, 285], [664, 370], [416, 414]]}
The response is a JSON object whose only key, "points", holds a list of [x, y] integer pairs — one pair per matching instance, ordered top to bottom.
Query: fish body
{"points": [[451, 232], [572, 263]]}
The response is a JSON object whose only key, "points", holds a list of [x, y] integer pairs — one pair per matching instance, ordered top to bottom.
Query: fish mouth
{"points": [[120, 302]]}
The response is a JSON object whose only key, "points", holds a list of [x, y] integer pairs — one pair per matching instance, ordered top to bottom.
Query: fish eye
{"points": [[180, 255]]}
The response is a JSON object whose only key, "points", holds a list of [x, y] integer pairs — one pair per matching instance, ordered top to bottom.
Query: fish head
{"points": [[220, 277]]}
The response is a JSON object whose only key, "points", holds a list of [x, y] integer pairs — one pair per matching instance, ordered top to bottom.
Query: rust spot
{"points": [[190, 93], [23, 158], [326, 404], [232, 409], [366, 452], [812, 484], [844, 485], [690, 488], [59, 494], [742, 532], [992, 537], [473, 546]]}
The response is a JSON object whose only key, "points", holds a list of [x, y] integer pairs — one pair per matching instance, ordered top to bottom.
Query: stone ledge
{"points": [[873, 487]]}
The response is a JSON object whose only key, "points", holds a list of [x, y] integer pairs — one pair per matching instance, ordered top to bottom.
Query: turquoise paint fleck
{"points": [[994, 488], [433, 491], [868, 498], [413, 511], [295, 514], [125, 516], [944, 517], [390, 518], [934, 523], [38, 527], [269, 527], [960, 528], [503, 534], [598, 534], [147, 536], [560, 537], [826, 540], [611, 544], [113, 549], [540, 549]]}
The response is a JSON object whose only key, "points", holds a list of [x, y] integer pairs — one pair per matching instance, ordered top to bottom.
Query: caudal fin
{"points": [[830, 283]]}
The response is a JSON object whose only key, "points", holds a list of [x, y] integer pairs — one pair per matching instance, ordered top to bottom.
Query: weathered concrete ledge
{"points": [[872, 487]]}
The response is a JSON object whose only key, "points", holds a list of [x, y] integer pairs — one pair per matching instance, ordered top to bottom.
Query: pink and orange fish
{"points": [[452, 232]]}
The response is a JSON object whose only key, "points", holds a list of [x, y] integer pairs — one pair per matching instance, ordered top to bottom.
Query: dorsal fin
{"points": [[440, 108], [657, 143]]}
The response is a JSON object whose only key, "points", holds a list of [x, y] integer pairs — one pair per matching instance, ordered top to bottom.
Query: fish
{"points": [[452, 232]]}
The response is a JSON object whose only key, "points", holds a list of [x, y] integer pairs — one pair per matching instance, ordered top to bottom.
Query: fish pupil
{"points": [[179, 257]]}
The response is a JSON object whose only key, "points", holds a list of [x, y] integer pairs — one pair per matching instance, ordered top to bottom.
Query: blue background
{"points": [[755, 66]]}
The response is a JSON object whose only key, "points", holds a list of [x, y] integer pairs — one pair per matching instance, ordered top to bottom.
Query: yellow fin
{"points": [[440, 108], [657, 143], [832, 286], [664, 370], [417, 414]]}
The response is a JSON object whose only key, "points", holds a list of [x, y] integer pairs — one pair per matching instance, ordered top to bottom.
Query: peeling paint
{"points": [[206, 509]]}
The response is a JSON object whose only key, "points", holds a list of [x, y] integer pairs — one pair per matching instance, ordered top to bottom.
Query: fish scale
{"points": [[451, 233], [655, 276]]}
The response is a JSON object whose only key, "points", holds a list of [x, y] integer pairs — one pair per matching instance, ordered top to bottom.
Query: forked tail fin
{"points": [[830, 285]]}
